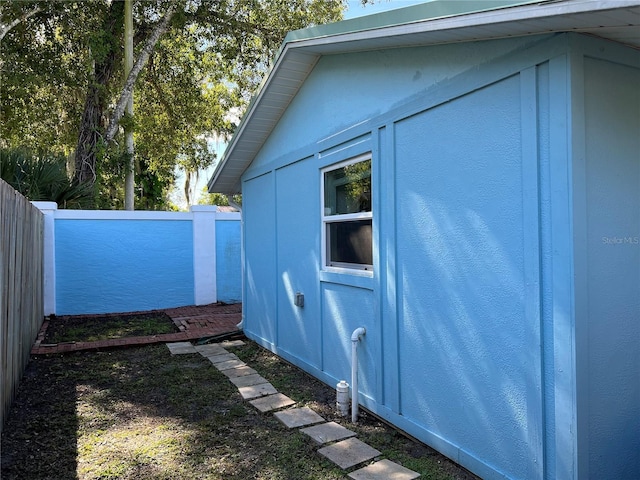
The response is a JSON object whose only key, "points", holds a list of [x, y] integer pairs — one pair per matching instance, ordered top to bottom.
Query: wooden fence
{"points": [[21, 288]]}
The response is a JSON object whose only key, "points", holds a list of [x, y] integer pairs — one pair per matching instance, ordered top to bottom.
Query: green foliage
{"points": [[45, 73], [199, 78], [43, 178], [151, 185], [358, 186], [207, 198]]}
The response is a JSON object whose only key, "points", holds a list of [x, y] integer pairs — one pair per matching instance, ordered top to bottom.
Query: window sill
{"points": [[355, 278]]}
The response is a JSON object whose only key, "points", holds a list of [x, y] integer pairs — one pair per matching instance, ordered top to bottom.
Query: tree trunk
{"points": [[6, 27], [139, 64], [95, 105], [94, 121], [129, 179]]}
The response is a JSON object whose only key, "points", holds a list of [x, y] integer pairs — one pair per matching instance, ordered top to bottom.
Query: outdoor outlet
{"points": [[299, 300]]}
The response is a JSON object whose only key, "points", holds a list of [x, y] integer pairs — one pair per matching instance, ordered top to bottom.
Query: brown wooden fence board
{"points": [[21, 288]]}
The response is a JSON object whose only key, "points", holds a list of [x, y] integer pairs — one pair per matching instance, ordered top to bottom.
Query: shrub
{"points": [[43, 177]]}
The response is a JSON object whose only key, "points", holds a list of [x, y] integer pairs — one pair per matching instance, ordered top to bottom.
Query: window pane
{"points": [[348, 189], [350, 242]]}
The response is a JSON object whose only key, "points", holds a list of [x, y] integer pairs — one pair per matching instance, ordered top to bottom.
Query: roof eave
{"points": [[397, 35]]}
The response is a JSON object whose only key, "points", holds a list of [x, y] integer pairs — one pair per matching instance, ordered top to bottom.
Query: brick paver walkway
{"points": [[193, 322]]}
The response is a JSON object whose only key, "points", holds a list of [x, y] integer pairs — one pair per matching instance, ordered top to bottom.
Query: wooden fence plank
{"points": [[21, 288]]}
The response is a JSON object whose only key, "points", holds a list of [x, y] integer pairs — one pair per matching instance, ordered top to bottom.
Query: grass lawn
{"points": [[94, 328], [141, 413]]}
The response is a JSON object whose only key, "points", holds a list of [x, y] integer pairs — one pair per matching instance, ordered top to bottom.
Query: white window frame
{"points": [[351, 268]]}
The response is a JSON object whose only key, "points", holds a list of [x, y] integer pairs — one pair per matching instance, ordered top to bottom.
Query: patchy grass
{"points": [[92, 329], [308, 391], [141, 413]]}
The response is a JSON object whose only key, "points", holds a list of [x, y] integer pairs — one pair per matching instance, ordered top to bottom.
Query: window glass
{"points": [[348, 189], [347, 215], [350, 242]]}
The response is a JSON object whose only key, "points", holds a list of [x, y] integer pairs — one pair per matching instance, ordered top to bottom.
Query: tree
{"points": [[16, 20], [196, 61], [43, 74], [219, 199]]}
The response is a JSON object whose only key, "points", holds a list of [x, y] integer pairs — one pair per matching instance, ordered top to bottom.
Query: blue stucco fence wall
{"points": [[228, 258], [114, 261], [123, 265]]}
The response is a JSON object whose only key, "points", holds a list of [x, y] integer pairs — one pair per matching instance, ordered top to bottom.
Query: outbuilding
{"points": [[461, 179]]}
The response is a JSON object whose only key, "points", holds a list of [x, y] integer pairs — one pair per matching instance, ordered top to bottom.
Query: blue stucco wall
{"points": [[337, 95], [228, 261], [297, 261], [122, 265], [260, 294], [610, 317], [473, 340], [456, 362], [468, 364]]}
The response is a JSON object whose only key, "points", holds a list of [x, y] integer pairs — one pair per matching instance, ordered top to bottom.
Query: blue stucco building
{"points": [[462, 179]]}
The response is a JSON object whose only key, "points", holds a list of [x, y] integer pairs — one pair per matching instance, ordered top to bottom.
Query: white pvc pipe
{"points": [[355, 338]]}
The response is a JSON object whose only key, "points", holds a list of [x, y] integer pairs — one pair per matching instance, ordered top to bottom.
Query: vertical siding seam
{"points": [[274, 188], [578, 196], [531, 229], [380, 259], [397, 270], [561, 274], [320, 290]]}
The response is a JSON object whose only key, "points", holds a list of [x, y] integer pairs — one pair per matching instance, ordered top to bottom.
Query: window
{"points": [[346, 214]]}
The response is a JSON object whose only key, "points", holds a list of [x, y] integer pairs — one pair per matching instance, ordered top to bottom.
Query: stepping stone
{"points": [[232, 343], [180, 348], [210, 350], [219, 358], [229, 364], [240, 371], [248, 380], [255, 391], [272, 402], [298, 417], [327, 432], [348, 453], [384, 470]]}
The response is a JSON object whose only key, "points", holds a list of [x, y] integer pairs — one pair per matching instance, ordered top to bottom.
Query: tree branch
{"points": [[4, 29], [150, 44]]}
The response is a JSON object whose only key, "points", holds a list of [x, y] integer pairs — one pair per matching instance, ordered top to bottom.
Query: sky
{"points": [[356, 9]]}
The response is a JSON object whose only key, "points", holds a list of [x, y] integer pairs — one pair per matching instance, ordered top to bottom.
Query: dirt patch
{"points": [[92, 328], [309, 391], [142, 413]]}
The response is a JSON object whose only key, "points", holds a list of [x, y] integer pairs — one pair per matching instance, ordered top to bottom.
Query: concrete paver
{"points": [[232, 343], [180, 348], [210, 349], [223, 357], [229, 364], [239, 371], [248, 380], [255, 391], [272, 402], [298, 417], [328, 432], [349, 453], [383, 470]]}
